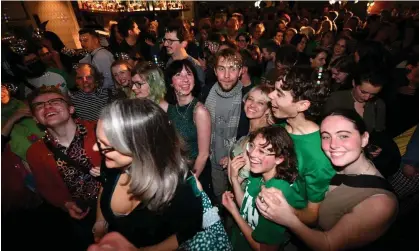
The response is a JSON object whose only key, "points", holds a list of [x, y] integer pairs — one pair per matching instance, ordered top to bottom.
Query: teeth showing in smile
{"points": [[50, 114], [336, 154], [254, 161]]}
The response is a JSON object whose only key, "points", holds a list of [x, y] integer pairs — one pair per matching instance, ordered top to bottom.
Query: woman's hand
{"points": [[235, 165], [95, 171], [228, 202], [273, 206], [100, 228]]}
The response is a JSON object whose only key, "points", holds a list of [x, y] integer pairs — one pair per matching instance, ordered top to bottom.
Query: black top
{"points": [[134, 52], [143, 227]]}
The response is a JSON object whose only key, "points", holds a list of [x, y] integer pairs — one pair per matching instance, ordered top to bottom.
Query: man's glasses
{"points": [[169, 41], [52, 102], [250, 147]]}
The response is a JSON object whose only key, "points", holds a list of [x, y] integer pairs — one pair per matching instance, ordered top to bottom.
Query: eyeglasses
{"points": [[242, 40], [169, 41], [139, 84], [52, 102], [250, 147], [104, 151]]}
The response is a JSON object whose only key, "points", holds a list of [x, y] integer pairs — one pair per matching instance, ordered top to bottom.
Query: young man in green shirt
{"points": [[298, 99]]}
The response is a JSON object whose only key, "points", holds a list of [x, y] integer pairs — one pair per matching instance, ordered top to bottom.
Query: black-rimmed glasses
{"points": [[169, 41], [52, 102], [104, 151]]}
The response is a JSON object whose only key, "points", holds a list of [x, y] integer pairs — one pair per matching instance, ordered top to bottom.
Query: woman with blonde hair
{"points": [[121, 75], [257, 109]]}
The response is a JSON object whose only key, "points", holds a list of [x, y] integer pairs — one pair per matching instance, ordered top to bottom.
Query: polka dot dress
{"points": [[213, 237]]}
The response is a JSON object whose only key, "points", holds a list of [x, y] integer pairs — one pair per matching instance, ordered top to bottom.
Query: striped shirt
{"points": [[89, 105]]}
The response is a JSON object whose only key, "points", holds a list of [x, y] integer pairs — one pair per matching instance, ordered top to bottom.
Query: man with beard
{"points": [[130, 31], [176, 40], [37, 74], [228, 120]]}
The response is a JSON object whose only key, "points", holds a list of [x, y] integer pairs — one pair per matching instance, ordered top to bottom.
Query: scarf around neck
{"points": [[234, 116]]}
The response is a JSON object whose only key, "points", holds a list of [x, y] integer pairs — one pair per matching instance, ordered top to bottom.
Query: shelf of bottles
{"points": [[131, 5]]}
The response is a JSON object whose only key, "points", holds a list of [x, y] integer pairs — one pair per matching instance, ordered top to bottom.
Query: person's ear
{"points": [[183, 44], [244, 70], [303, 105], [71, 109], [364, 139], [279, 160]]}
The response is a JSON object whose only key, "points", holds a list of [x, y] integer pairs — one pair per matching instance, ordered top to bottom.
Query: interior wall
{"points": [[60, 17]]}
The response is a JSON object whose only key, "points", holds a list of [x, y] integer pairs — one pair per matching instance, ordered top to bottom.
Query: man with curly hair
{"points": [[298, 99]]}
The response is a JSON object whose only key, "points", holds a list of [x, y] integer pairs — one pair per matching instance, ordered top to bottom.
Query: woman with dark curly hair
{"points": [[298, 99], [273, 163]]}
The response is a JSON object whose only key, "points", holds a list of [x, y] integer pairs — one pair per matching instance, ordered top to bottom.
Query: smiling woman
{"points": [[121, 75], [148, 82], [190, 117], [273, 163], [145, 196], [359, 198]]}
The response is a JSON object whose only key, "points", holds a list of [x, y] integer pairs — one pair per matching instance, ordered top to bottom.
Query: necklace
{"points": [[184, 114], [369, 166]]}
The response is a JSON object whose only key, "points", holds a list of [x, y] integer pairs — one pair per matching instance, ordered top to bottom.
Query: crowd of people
{"points": [[274, 131]]}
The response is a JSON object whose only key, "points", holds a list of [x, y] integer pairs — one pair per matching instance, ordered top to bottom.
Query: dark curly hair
{"points": [[305, 84], [283, 146]]}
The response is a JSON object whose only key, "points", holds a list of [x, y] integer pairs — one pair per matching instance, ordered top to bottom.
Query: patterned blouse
{"points": [[80, 183]]}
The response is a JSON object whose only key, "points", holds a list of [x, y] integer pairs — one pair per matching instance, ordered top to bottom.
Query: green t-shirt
{"points": [[314, 168], [264, 230]]}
